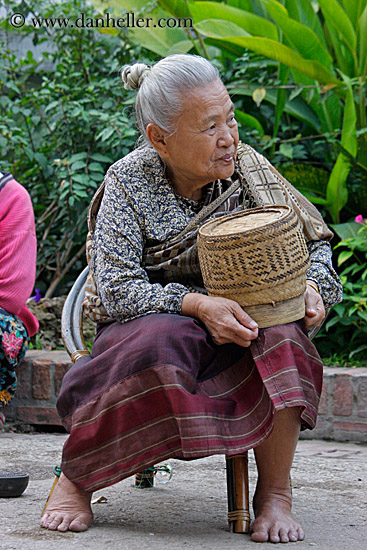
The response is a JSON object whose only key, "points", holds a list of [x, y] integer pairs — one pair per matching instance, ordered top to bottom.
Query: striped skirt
{"points": [[158, 387]]}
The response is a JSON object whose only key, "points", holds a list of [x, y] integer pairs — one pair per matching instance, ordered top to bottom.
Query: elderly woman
{"points": [[175, 372]]}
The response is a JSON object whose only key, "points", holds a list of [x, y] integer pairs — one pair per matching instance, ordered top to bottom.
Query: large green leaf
{"points": [[241, 4], [115, 5], [178, 8], [292, 8], [354, 8], [302, 11], [335, 14], [252, 24], [222, 28], [362, 35], [301, 37], [154, 38], [161, 41], [184, 46], [269, 48], [230, 51], [343, 55], [283, 75], [297, 107], [326, 107], [329, 111], [249, 121], [349, 133], [306, 178], [337, 192], [346, 230]]}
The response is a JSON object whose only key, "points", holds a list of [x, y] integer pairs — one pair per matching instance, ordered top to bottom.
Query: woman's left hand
{"points": [[315, 310]]}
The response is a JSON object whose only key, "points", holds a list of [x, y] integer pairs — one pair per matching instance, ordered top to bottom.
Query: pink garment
{"points": [[18, 250]]}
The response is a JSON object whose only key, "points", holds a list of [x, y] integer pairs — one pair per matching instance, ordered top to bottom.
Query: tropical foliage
{"points": [[321, 47], [297, 73], [64, 118], [346, 327]]}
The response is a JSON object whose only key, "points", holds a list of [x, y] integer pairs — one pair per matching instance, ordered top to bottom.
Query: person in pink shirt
{"points": [[18, 248]]}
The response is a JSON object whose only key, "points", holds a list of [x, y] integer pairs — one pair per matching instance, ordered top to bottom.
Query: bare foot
{"points": [[68, 508], [274, 520]]}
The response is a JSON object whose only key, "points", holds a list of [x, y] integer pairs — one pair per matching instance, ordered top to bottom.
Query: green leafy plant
{"points": [[162, 40], [320, 47], [325, 49], [64, 119], [346, 327]]}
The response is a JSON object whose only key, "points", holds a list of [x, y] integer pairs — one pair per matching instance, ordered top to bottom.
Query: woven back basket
{"points": [[259, 259]]}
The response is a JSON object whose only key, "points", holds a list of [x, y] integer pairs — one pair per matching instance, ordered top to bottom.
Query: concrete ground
{"points": [[189, 512]]}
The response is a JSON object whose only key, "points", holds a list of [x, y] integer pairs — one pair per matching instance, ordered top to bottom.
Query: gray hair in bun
{"points": [[133, 75], [162, 88]]}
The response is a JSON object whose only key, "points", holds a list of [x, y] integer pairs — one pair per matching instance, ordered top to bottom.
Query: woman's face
{"points": [[204, 146]]}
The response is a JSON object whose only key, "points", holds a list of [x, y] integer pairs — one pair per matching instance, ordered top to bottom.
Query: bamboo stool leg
{"points": [[238, 493]]}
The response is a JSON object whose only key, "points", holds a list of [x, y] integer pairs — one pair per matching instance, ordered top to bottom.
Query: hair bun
{"points": [[133, 75]]}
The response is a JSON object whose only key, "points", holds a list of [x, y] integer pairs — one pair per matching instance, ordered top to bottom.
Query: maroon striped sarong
{"points": [[158, 387]]}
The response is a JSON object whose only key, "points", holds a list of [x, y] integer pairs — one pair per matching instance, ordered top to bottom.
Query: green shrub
{"points": [[318, 47], [64, 120], [346, 327]]}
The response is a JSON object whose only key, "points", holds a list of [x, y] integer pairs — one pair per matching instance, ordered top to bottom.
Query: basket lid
{"points": [[244, 221]]}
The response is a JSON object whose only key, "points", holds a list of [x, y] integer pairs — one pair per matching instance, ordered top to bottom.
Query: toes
{"points": [[44, 520], [52, 522], [56, 522], [59, 523], [63, 523], [77, 526], [63, 527], [260, 531], [274, 535], [283, 535], [293, 535], [260, 536]]}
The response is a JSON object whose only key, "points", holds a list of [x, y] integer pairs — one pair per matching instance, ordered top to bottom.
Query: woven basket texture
{"points": [[258, 258]]}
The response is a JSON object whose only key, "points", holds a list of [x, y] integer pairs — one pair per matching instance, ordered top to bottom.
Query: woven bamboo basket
{"points": [[259, 259]]}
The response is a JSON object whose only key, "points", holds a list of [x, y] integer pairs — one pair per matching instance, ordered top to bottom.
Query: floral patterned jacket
{"points": [[138, 208]]}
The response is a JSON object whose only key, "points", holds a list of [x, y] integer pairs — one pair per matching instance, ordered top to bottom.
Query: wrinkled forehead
{"points": [[207, 102]]}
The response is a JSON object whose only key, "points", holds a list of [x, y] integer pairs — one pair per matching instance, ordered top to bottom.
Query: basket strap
{"points": [[209, 209]]}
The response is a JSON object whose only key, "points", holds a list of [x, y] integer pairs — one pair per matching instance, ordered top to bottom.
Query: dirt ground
{"points": [[189, 512]]}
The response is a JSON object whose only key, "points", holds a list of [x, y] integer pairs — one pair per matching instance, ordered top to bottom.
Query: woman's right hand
{"points": [[225, 319]]}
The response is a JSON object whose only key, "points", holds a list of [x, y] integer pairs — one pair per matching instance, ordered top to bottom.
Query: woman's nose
{"points": [[227, 137]]}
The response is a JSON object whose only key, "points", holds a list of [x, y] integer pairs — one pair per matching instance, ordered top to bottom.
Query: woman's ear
{"points": [[157, 138]]}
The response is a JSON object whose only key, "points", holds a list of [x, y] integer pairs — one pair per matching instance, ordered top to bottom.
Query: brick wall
{"points": [[39, 381], [343, 406], [342, 413]]}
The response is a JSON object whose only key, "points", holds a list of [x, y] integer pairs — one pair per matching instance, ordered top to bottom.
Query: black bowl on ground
{"points": [[13, 485]]}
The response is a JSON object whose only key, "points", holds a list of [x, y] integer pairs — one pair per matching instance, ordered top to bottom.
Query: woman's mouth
{"points": [[227, 159]]}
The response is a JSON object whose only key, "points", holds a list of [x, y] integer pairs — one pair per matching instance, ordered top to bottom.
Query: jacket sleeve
{"points": [[116, 257], [322, 272]]}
